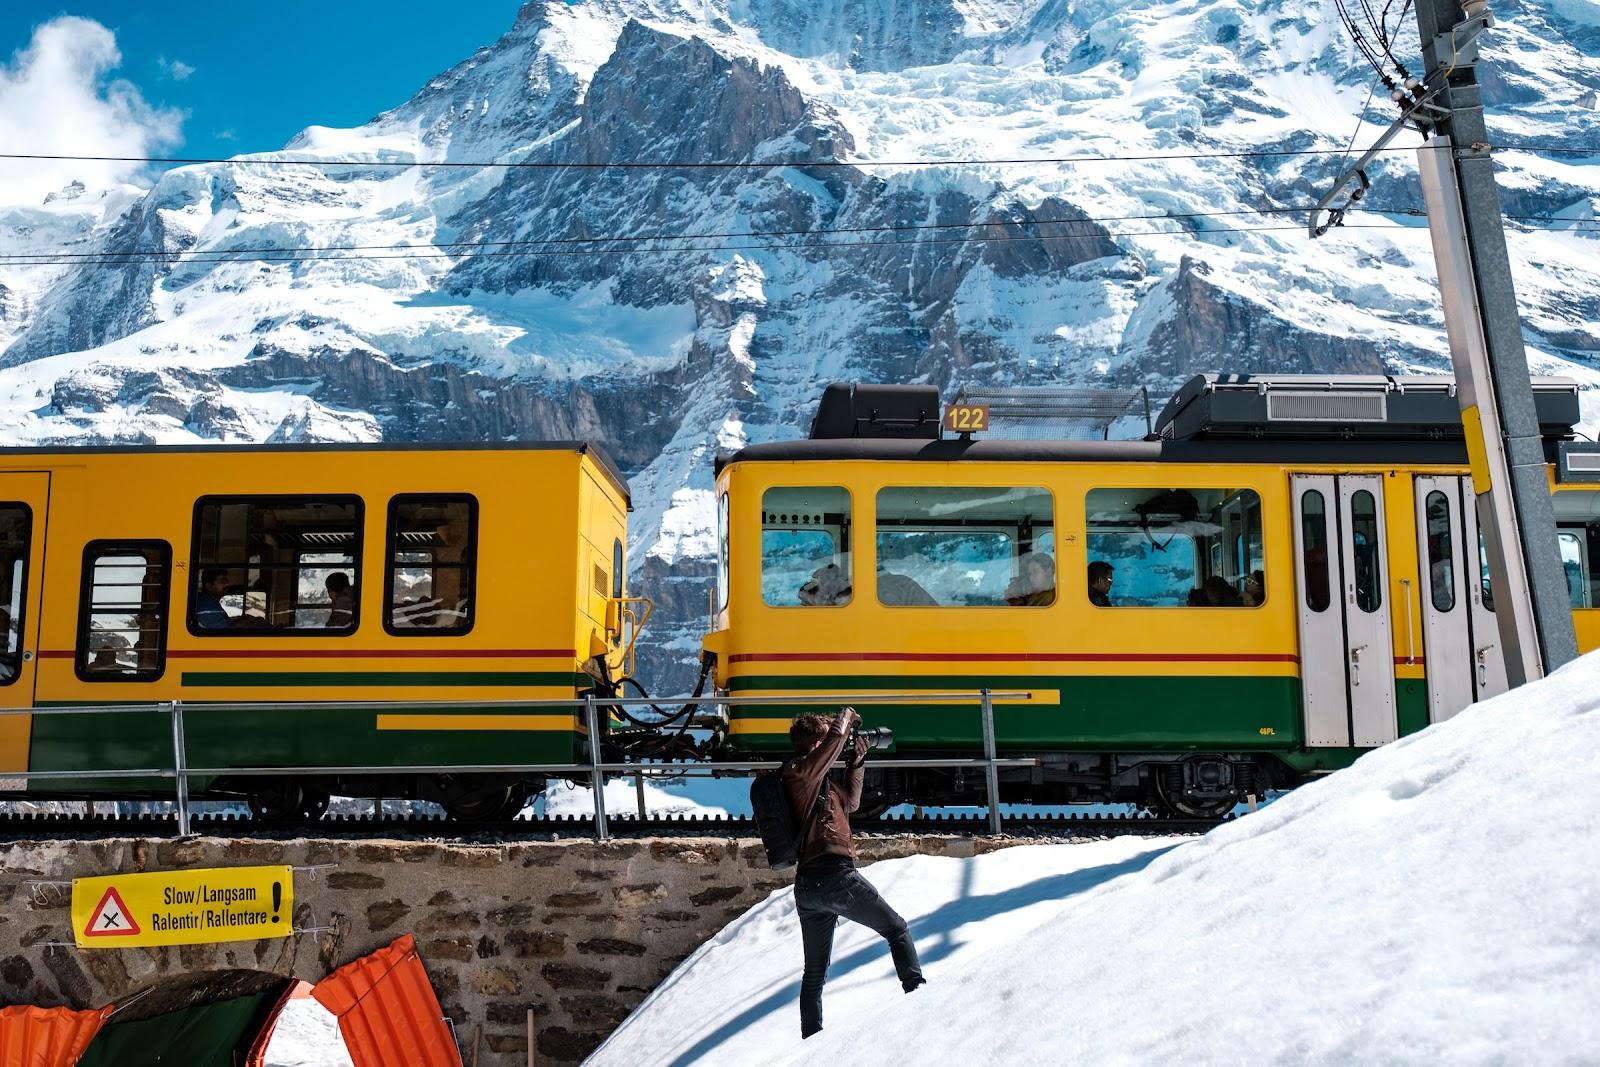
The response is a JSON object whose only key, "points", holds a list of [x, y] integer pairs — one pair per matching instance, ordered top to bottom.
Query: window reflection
{"points": [[1314, 533], [965, 546], [805, 547], [1175, 548], [1366, 551], [1441, 552]]}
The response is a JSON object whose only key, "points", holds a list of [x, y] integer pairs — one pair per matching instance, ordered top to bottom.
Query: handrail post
{"points": [[180, 765], [990, 773], [596, 779]]}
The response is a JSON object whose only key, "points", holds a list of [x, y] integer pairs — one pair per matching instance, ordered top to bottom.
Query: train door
{"points": [[23, 501], [1346, 639], [1461, 640]]}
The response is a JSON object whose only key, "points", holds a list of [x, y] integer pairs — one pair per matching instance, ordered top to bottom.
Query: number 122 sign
{"points": [[966, 418]]}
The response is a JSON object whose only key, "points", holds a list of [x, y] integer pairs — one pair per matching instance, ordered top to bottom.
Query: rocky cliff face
{"points": [[667, 312]]}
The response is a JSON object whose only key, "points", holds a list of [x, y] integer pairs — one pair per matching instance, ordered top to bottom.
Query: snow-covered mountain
{"points": [[462, 303]]}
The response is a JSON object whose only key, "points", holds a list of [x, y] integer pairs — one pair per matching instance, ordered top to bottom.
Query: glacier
{"points": [[351, 296]]}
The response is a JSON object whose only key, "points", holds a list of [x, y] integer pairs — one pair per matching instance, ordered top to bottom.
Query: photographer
{"points": [[827, 885]]}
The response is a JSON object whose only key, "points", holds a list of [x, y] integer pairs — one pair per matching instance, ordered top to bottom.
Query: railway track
{"points": [[56, 825]]}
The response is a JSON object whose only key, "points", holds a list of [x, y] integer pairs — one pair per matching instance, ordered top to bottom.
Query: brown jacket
{"points": [[802, 777]]}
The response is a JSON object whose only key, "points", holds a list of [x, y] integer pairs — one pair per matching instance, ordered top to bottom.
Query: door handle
{"points": [[1355, 665], [1483, 666]]}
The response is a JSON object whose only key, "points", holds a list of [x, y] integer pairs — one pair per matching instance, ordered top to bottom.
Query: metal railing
{"points": [[595, 768]]}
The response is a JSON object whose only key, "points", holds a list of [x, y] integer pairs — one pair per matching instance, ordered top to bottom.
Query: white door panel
{"points": [[1442, 589], [1369, 648], [1488, 658], [1323, 683]]}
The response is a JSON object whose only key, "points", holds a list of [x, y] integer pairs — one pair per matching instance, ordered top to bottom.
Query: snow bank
{"points": [[1438, 901]]}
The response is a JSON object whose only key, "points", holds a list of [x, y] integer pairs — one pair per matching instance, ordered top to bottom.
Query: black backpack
{"points": [[769, 802]]}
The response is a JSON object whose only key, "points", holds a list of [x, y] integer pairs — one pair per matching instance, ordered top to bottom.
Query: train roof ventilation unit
{"points": [[1340, 407], [849, 409]]}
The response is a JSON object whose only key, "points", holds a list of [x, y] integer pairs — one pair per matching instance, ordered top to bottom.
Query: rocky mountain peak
{"points": [[667, 313]]}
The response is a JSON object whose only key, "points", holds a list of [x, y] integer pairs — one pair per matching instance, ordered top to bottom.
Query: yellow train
{"points": [[1287, 574], [285, 575]]}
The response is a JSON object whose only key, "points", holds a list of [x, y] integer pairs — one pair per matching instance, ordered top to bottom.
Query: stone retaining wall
{"points": [[578, 931]]}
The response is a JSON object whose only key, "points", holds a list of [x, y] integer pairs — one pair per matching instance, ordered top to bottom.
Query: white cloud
{"points": [[176, 69], [55, 99]]}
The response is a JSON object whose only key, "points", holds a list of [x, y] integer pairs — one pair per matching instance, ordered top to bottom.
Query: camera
{"points": [[879, 737]]}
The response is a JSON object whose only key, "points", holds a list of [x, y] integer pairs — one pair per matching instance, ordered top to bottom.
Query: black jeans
{"points": [[824, 892]]}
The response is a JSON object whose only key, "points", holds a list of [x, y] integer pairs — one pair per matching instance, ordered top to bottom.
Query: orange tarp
{"points": [[387, 1011], [47, 1037]]}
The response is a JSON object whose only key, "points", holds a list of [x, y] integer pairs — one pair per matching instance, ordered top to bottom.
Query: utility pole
{"points": [[1506, 449]]}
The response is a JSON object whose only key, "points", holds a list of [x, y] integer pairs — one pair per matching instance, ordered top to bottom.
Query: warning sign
{"points": [[182, 907], [110, 918]]}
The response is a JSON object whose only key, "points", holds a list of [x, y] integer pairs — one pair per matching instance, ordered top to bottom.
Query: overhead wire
{"points": [[1359, 39], [1254, 153], [952, 161], [679, 250], [66, 254]]}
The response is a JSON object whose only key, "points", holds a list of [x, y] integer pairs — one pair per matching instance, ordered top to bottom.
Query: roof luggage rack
{"points": [[1341, 407], [1058, 413]]}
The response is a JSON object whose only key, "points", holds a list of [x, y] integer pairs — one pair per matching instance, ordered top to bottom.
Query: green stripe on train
{"points": [[1097, 713], [291, 736]]}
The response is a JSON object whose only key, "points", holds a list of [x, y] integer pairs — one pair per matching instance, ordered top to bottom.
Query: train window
{"points": [[1578, 517], [16, 523], [1314, 534], [433, 546], [805, 546], [959, 546], [1571, 546], [1165, 548], [1367, 551], [722, 552], [1441, 552], [275, 566], [616, 569], [1484, 583], [122, 611]]}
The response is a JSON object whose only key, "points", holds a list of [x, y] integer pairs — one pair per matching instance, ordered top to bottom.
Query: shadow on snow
{"points": [[938, 926]]}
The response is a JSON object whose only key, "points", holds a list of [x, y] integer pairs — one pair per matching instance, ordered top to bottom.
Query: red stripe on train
{"points": [[354, 653], [1017, 657]]}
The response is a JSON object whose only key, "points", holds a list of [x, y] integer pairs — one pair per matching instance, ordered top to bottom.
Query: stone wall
{"points": [[579, 931]]}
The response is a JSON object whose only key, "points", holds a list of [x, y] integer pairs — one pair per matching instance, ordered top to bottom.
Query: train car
{"points": [[1287, 573], [283, 575]]}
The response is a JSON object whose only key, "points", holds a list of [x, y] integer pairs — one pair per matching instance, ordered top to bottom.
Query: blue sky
{"points": [[248, 75]]}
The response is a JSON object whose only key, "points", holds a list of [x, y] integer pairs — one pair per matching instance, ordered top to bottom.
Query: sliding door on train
{"points": [[24, 497], [1346, 637], [1461, 641]]}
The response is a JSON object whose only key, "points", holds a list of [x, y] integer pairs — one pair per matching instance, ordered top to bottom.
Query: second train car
{"points": [[1287, 574]]}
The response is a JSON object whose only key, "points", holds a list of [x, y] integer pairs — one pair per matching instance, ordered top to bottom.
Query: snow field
{"points": [[1434, 903]]}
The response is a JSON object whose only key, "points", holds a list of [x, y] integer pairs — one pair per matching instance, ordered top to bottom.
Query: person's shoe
{"points": [[912, 986]]}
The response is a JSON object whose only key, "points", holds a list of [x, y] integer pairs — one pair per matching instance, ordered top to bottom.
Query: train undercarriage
{"points": [[1190, 785]]}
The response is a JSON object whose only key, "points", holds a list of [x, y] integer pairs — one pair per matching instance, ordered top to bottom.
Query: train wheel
{"points": [[1197, 789], [473, 799], [286, 800]]}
